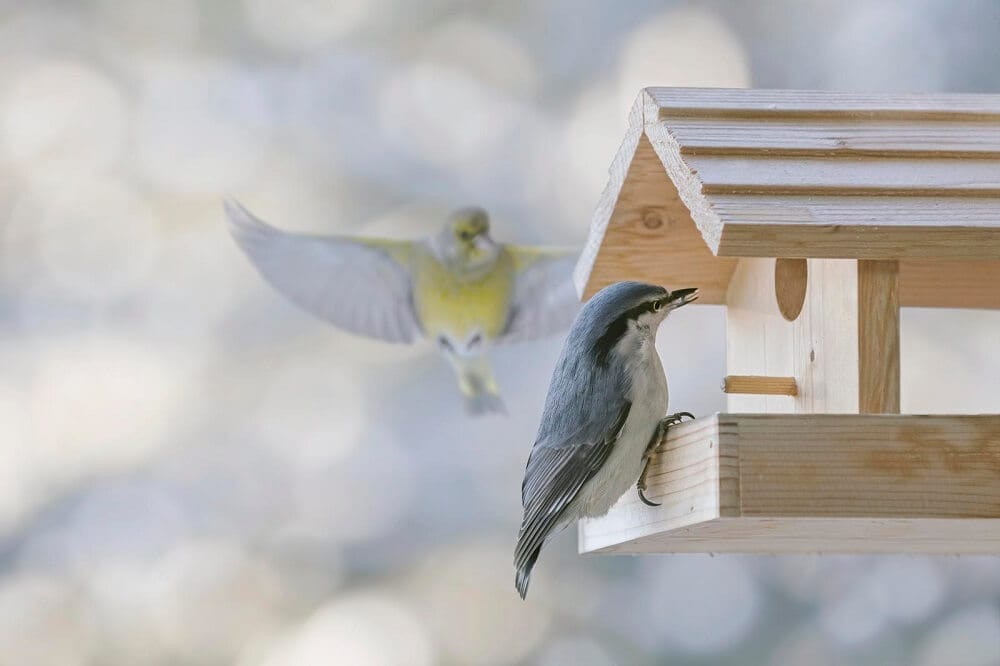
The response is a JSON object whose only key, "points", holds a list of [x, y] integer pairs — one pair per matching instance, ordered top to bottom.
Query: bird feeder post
{"points": [[813, 217]]}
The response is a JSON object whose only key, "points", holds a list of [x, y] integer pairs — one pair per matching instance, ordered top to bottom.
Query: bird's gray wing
{"points": [[359, 285], [545, 299], [557, 470]]}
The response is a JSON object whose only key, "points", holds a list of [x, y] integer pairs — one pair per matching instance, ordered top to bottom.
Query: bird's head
{"points": [[467, 225], [466, 238], [626, 306]]}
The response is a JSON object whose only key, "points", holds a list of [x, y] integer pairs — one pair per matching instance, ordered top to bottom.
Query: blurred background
{"points": [[194, 472]]}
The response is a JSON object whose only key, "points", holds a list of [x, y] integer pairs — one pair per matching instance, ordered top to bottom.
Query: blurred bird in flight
{"points": [[459, 289]]}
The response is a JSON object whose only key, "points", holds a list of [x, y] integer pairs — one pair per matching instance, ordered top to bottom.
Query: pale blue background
{"points": [[194, 472]]}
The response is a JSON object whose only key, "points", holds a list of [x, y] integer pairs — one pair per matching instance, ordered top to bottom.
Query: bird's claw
{"points": [[674, 419], [661, 430], [641, 489]]}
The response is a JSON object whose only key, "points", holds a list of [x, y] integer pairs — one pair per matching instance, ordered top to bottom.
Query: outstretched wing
{"points": [[362, 286], [545, 299]]}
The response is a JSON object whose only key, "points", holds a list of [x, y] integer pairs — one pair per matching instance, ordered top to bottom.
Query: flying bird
{"points": [[459, 289], [604, 415]]}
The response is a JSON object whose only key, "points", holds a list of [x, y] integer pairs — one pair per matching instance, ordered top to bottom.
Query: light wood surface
{"points": [[822, 104], [708, 135], [801, 174], [640, 209], [949, 284], [878, 337], [758, 339], [824, 344], [758, 385], [807, 483]]}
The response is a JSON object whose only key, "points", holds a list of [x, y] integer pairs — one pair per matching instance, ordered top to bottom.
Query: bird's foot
{"points": [[673, 419], [661, 431], [640, 485]]}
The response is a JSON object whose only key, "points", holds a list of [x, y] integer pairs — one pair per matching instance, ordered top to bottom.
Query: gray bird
{"points": [[603, 416]]}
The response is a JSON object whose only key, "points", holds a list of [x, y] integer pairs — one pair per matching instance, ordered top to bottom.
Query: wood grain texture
{"points": [[823, 104], [708, 135], [617, 174], [798, 174], [846, 176], [646, 217], [791, 280], [949, 284], [878, 337], [758, 339], [824, 345], [758, 385], [697, 481], [808, 483], [925, 536]]}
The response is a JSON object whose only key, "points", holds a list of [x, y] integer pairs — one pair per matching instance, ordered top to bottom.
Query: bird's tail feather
{"points": [[478, 386], [523, 575]]}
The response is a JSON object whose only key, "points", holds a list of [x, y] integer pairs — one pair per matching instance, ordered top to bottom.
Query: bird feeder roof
{"points": [[705, 176]]}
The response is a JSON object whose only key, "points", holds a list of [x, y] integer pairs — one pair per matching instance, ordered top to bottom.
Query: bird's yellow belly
{"points": [[460, 308]]}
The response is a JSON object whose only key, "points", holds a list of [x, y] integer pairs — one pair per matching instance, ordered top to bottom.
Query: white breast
{"points": [[649, 404]]}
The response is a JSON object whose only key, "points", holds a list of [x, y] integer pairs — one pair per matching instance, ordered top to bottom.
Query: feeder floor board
{"points": [[788, 483]]}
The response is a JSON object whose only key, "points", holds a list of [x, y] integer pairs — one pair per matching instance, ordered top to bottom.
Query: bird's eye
{"points": [[465, 235], [657, 306]]}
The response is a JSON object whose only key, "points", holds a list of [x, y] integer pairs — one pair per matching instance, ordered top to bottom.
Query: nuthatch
{"points": [[603, 416]]}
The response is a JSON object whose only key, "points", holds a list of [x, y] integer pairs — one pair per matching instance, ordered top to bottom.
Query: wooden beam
{"points": [[823, 104], [708, 134], [932, 283], [878, 337], [758, 385], [815, 482]]}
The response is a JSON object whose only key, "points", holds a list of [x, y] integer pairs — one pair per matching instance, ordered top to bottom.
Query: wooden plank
{"points": [[797, 103], [707, 135], [846, 176], [608, 202], [854, 211], [648, 214], [858, 227], [862, 242], [931, 283], [878, 337], [758, 339], [824, 344], [757, 385], [869, 466], [696, 481], [818, 482], [924, 536]]}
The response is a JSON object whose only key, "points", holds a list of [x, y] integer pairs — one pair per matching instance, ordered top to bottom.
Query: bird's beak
{"points": [[483, 241], [681, 297]]}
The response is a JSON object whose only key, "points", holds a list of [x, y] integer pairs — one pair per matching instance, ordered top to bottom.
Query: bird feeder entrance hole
{"points": [[813, 217]]}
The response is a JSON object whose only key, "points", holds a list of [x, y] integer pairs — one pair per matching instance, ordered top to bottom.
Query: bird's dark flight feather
{"points": [[554, 476]]}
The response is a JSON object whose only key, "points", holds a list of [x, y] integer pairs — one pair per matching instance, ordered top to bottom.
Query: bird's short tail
{"points": [[478, 386]]}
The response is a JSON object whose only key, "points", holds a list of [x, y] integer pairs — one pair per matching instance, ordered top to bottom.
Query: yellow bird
{"points": [[459, 289]]}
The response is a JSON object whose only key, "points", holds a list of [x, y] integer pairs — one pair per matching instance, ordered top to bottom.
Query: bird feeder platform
{"points": [[813, 217]]}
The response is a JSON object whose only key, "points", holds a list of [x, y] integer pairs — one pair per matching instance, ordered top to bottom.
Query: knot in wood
{"points": [[652, 220]]}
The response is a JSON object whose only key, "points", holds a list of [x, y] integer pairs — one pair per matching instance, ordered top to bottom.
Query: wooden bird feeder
{"points": [[812, 217]]}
